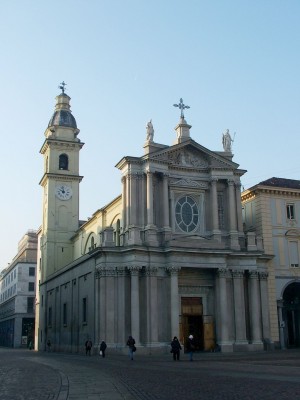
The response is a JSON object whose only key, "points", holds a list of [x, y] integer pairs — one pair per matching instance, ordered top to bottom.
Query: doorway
{"points": [[191, 321]]}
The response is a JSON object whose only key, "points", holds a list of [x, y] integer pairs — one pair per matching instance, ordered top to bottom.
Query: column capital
{"points": [[123, 179], [213, 180], [230, 182], [134, 270], [173, 270], [121, 271], [150, 271], [102, 272], [223, 272], [237, 273], [253, 274], [263, 276]]}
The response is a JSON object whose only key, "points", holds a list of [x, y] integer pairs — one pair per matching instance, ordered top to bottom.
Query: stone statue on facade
{"points": [[149, 131], [227, 140]]}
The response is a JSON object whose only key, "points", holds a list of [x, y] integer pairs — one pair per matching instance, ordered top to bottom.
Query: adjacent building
{"points": [[272, 210], [167, 257], [17, 295]]}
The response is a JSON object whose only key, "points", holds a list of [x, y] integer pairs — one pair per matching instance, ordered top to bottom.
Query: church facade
{"points": [[168, 257]]}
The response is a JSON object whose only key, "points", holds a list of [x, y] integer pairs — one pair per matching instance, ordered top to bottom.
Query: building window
{"points": [[63, 162], [290, 211], [187, 214], [294, 255], [31, 271], [31, 286], [30, 304], [84, 310], [65, 314], [50, 316]]}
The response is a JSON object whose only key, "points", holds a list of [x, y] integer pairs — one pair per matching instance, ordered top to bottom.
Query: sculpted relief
{"points": [[184, 158], [187, 158]]}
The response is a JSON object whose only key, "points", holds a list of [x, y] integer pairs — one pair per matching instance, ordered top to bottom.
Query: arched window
{"points": [[63, 162]]}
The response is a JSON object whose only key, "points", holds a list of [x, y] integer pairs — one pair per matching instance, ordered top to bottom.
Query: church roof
{"points": [[62, 118], [281, 182]]}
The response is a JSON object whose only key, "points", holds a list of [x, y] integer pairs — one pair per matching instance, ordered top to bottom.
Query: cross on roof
{"points": [[62, 86], [181, 107]]}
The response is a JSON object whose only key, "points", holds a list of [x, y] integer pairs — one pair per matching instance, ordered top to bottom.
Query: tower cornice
{"points": [[60, 143], [60, 177]]}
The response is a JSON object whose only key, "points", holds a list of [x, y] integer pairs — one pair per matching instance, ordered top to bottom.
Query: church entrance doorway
{"points": [[291, 314], [191, 321]]}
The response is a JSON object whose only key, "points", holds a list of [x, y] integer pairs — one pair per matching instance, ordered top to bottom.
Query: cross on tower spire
{"points": [[62, 86], [181, 107]]}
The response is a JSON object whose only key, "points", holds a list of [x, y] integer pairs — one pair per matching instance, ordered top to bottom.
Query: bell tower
{"points": [[60, 184]]}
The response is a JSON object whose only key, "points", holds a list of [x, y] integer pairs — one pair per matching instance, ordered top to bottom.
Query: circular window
{"points": [[187, 214]]}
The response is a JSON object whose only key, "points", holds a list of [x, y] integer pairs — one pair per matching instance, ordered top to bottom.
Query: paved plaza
{"points": [[30, 375]]}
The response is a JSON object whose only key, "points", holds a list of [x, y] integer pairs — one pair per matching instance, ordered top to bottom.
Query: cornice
{"points": [[59, 143], [59, 177], [250, 194]]}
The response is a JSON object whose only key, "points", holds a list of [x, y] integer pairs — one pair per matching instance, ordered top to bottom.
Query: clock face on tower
{"points": [[63, 192]]}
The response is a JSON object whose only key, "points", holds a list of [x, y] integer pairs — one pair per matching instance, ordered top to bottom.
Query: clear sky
{"points": [[235, 63]]}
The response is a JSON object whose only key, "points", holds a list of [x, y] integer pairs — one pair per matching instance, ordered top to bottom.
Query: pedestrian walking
{"points": [[49, 345], [88, 346], [131, 346], [190, 347], [102, 348], [175, 348]]}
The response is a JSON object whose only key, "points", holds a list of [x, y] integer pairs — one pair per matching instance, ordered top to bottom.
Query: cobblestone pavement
{"points": [[31, 375]]}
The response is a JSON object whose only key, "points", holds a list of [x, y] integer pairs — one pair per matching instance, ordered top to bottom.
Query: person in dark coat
{"points": [[88, 346], [131, 346], [190, 346], [176, 347], [102, 348]]}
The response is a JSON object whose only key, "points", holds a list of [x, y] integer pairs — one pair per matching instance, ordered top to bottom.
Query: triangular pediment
{"points": [[190, 154]]}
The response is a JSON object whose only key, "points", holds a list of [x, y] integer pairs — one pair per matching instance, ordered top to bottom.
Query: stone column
{"points": [[149, 198], [133, 199], [127, 200], [166, 201], [214, 204], [124, 206], [239, 207], [232, 209], [234, 239], [263, 280], [174, 301], [135, 303], [110, 305], [239, 307], [97, 308], [102, 308], [152, 308], [121, 309], [255, 321], [224, 342]]}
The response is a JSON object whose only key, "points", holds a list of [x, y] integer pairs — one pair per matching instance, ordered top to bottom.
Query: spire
{"points": [[62, 115]]}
